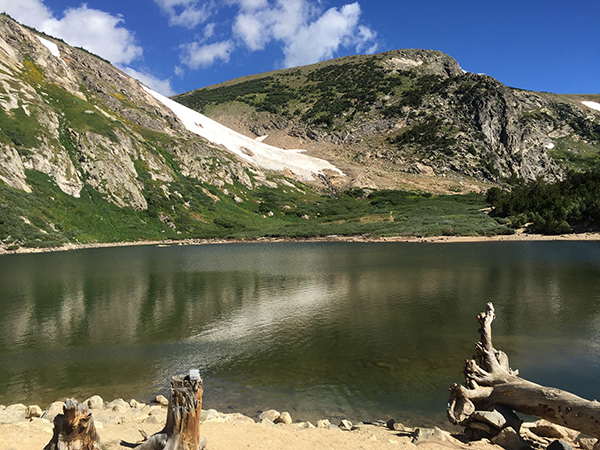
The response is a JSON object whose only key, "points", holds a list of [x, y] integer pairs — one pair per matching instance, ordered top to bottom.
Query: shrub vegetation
{"points": [[552, 208]]}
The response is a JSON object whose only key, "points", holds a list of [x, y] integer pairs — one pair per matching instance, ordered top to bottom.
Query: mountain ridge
{"points": [[437, 120], [88, 154]]}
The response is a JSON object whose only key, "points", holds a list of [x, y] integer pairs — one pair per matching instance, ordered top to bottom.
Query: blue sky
{"points": [[179, 45]]}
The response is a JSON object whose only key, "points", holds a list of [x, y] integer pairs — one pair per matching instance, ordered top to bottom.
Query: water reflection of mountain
{"points": [[388, 324]]}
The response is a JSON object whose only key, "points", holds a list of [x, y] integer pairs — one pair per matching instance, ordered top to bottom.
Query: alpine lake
{"points": [[363, 331]]}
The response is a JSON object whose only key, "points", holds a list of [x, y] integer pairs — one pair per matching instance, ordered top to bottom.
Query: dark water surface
{"points": [[323, 330]]}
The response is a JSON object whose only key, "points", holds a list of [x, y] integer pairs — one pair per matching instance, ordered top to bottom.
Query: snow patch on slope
{"points": [[50, 46], [592, 105], [263, 155]]}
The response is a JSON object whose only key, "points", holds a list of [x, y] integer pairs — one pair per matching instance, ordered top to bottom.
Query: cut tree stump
{"points": [[491, 381], [74, 429], [182, 430]]}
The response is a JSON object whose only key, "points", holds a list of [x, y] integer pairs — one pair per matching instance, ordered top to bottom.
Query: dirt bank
{"points": [[360, 238]]}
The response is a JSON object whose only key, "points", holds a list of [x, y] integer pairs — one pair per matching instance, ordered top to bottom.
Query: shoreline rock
{"points": [[147, 419], [119, 420]]}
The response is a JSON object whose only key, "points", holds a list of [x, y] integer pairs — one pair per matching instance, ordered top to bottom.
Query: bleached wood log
{"points": [[490, 381], [74, 429], [182, 429]]}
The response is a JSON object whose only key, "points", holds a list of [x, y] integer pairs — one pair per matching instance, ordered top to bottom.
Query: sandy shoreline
{"points": [[334, 238], [119, 421], [121, 424]]}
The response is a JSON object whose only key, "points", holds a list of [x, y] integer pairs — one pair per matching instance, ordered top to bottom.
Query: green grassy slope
{"points": [[48, 217]]}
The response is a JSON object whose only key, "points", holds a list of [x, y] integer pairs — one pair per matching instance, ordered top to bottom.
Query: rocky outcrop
{"points": [[415, 112], [81, 121]]}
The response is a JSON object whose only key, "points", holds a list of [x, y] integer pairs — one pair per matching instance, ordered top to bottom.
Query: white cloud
{"points": [[249, 5], [31, 12], [185, 13], [289, 16], [95, 30], [251, 30], [209, 31], [98, 32], [305, 32], [320, 39], [366, 40], [196, 55], [179, 71], [161, 86]]}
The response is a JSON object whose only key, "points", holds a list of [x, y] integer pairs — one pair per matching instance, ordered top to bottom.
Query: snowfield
{"points": [[50, 46], [592, 105], [265, 156]]}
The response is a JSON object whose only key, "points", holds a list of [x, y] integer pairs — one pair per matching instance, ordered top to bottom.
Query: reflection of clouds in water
{"points": [[289, 311], [283, 314], [263, 315]]}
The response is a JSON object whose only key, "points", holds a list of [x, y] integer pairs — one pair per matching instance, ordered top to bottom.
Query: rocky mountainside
{"points": [[411, 118], [84, 123], [87, 153]]}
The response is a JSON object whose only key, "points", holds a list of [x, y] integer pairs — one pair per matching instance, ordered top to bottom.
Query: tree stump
{"points": [[490, 381], [74, 429], [182, 429]]}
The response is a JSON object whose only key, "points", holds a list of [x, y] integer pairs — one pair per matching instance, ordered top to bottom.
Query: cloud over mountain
{"points": [[304, 32]]}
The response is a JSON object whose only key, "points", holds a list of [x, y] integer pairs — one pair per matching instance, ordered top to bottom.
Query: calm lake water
{"points": [[322, 330]]}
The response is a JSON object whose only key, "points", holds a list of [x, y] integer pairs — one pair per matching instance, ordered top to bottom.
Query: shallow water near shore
{"points": [[363, 331]]}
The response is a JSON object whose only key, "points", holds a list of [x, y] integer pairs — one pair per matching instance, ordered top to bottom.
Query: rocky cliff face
{"points": [[410, 115], [73, 116]]}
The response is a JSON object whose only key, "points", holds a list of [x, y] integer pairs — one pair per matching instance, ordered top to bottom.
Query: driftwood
{"points": [[491, 381], [74, 429], [182, 429]]}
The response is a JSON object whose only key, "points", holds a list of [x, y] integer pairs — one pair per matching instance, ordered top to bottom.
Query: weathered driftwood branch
{"points": [[490, 381], [74, 429], [182, 429]]}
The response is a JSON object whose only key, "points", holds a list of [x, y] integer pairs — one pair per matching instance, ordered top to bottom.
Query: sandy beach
{"points": [[119, 421], [122, 424]]}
